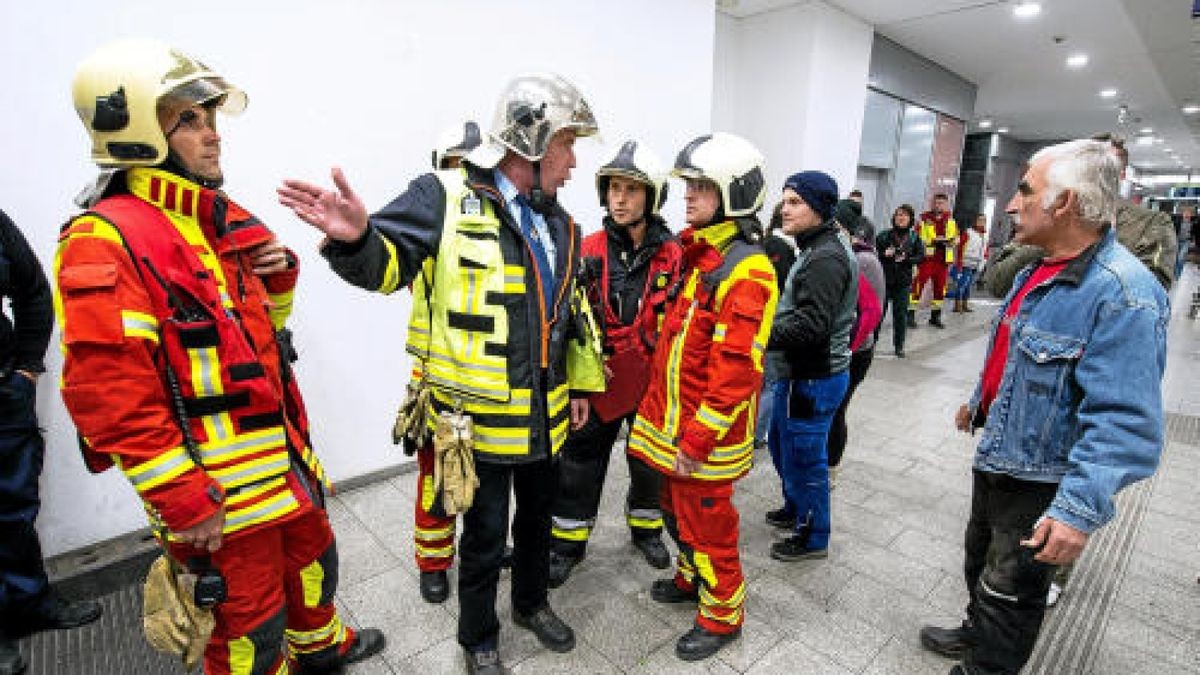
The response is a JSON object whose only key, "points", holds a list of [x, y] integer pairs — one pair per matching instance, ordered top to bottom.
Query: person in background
{"points": [[864, 228], [1185, 231], [938, 232], [899, 250], [782, 255], [968, 259], [871, 296], [810, 345], [27, 602]]}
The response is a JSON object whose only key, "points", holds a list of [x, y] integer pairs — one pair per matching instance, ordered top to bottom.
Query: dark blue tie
{"points": [[539, 253]]}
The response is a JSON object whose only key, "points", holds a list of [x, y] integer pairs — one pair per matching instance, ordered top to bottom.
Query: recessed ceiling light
{"points": [[1026, 10], [1077, 60], [1108, 93], [1191, 109], [985, 124], [1003, 130], [1146, 130], [1145, 140]]}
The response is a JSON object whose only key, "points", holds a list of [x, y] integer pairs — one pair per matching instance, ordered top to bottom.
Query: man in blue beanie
{"points": [[809, 352]]}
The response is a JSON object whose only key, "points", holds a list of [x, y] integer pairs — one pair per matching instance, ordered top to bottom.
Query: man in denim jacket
{"points": [[1069, 401]]}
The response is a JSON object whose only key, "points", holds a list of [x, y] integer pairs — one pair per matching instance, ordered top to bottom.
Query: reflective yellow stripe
{"points": [[391, 274], [281, 307], [140, 325], [719, 332], [518, 403], [713, 419], [558, 435], [502, 440], [215, 452], [153, 473], [246, 473], [428, 494], [235, 498], [271, 509], [644, 523], [427, 534], [571, 535], [432, 552], [704, 568], [312, 576], [735, 599], [733, 618], [302, 641], [241, 656]]}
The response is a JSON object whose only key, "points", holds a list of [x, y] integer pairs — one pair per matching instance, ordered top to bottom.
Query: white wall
{"points": [[797, 80], [367, 85]]}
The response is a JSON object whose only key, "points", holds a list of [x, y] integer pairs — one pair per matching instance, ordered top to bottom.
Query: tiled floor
{"points": [[899, 510], [895, 564]]}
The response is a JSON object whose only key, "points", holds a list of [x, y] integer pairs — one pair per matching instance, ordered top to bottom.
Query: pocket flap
{"points": [[87, 276], [1045, 347]]}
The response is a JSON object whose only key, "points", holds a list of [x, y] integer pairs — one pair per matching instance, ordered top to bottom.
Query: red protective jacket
{"points": [[126, 336], [629, 347], [708, 366]]}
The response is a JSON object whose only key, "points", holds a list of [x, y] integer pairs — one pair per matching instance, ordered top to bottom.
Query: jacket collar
{"points": [[187, 204], [656, 233], [719, 236], [806, 239], [1077, 267]]}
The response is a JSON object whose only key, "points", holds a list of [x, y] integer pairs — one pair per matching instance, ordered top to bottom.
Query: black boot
{"points": [[912, 318], [935, 319], [781, 518], [653, 550], [561, 565], [435, 587], [666, 592], [52, 612], [551, 631], [949, 642], [367, 643], [698, 644], [11, 661], [484, 662]]}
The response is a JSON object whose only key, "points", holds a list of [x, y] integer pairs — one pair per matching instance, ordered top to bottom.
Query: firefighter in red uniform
{"points": [[938, 232], [629, 267], [171, 297], [695, 424], [433, 530]]}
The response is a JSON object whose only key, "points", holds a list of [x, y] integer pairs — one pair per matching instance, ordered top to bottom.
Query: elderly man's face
{"points": [[558, 160], [1032, 222]]}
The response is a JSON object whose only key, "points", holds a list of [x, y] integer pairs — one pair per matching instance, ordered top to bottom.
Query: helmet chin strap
{"points": [[538, 199]]}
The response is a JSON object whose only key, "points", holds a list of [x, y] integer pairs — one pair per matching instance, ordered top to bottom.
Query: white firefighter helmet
{"points": [[117, 90], [530, 111], [456, 141], [635, 161], [733, 164]]}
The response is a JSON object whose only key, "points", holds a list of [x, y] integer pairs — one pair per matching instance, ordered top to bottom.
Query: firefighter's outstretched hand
{"points": [[340, 215], [580, 408], [684, 465], [206, 535]]}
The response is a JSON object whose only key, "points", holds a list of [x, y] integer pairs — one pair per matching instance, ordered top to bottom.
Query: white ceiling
{"points": [[1144, 48]]}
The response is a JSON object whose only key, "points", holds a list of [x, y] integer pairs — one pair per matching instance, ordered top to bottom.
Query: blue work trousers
{"points": [[798, 440], [23, 581]]}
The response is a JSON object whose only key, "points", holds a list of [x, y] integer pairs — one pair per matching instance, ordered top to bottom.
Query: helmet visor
{"points": [[206, 90]]}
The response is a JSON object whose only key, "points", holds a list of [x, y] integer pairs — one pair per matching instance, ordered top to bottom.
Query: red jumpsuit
{"points": [[936, 265], [162, 318], [702, 401]]}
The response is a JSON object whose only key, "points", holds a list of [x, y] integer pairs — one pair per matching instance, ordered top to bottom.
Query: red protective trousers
{"points": [[930, 270], [702, 520], [433, 535], [280, 580]]}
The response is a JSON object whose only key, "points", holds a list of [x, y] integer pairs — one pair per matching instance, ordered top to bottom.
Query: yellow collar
{"points": [[165, 190], [718, 236]]}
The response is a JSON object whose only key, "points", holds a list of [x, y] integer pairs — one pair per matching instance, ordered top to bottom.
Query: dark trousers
{"points": [[896, 298], [860, 363], [582, 467], [485, 526], [23, 583], [1007, 586]]}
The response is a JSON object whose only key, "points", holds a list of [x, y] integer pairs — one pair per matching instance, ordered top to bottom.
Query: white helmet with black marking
{"points": [[635, 161], [733, 164]]}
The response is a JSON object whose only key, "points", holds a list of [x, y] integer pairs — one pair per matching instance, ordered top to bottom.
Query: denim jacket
{"points": [[1080, 401]]}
